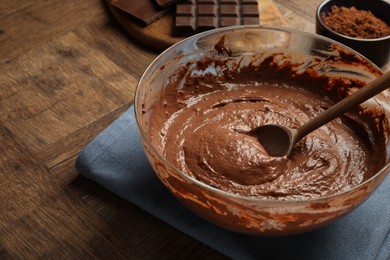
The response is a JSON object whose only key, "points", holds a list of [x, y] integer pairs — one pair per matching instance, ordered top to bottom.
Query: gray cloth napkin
{"points": [[115, 159]]}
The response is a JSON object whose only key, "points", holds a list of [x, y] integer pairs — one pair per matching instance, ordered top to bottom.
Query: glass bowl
{"points": [[247, 214]]}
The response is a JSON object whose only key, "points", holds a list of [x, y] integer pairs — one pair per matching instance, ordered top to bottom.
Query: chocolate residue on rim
{"points": [[221, 48]]}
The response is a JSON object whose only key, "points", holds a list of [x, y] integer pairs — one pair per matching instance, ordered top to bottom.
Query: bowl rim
{"points": [[319, 19], [144, 136]]}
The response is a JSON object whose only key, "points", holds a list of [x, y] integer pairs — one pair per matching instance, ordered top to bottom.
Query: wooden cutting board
{"points": [[158, 35]]}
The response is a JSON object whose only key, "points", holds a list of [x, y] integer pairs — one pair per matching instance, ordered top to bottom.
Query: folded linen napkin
{"points": [[115, 159]]}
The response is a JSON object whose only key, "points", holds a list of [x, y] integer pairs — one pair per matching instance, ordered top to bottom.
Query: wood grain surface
{"points": [[67, 70]]}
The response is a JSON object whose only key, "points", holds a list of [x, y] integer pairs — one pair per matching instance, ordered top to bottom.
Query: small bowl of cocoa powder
{"points": [[363, 25]]}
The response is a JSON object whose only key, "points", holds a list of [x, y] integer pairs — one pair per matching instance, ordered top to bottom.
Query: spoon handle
{"points": [[374, 87]]}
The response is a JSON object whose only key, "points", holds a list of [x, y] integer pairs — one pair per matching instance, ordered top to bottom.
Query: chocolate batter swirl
{"points": [[201, 128]]}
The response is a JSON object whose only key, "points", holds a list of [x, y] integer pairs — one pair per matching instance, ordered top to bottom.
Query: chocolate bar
{"points": [[145, 11], [193, 16]]}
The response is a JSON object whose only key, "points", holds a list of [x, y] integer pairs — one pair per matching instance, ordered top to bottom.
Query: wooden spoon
{"points": [[279, 140]]}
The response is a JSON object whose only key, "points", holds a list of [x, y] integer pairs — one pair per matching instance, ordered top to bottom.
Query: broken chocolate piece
{"points": [[166, 3], [144, 11], [193, 16]]}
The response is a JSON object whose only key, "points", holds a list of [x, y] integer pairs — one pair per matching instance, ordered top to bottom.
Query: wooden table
{"points": [[67, 70]]}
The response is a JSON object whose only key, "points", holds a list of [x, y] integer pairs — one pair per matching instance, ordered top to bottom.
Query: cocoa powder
{"points": [[355, 23]]}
